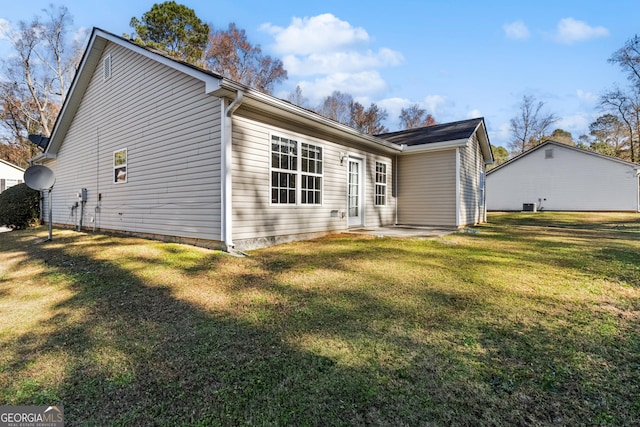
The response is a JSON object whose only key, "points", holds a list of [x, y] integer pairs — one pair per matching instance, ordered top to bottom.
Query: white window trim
{"points": [[115, 167], [298, 171], [385, 184]]}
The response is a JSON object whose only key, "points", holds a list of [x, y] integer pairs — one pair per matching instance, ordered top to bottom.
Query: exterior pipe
{"points": [[227, 226]]}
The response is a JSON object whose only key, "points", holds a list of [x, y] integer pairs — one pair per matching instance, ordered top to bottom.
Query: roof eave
{"points": [[279, 107], [485, 145], [435, 146]]}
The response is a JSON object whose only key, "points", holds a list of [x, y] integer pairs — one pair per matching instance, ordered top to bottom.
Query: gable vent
{"points": [[106, 67], [548, 154]]}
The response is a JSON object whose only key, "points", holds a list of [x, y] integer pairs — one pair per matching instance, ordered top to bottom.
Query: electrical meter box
{"points": [[82, 195]]}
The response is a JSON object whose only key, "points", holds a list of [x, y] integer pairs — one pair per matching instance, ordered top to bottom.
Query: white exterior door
{"points": [[355, 203]]}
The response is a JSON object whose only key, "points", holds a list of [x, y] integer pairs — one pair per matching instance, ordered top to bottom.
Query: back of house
{"points": [[152, 146]]}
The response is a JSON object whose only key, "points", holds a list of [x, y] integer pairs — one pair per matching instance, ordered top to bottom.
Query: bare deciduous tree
{"points": [[230, 54], [628, 58], [36, 78], [297, 98], [336, 107], [627, 109], [414, 117], [367, 120], [530, 125]]}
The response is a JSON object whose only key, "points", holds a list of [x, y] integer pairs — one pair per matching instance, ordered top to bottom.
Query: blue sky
{"points": [[457, 59]]}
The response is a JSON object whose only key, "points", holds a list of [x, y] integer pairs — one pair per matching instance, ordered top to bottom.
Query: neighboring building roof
{"points": [[570, 147], [11, 165]]}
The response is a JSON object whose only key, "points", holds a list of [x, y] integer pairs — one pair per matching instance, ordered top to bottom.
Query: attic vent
{"points": [[106, 67], [548, 154]]}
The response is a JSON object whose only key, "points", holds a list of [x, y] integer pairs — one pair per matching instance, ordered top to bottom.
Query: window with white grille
{"points": [[296, 172], [381, 184]]}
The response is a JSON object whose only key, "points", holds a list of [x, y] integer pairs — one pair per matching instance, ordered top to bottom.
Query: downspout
{"points": [[226, 166], [396, 173], [395, 189]]}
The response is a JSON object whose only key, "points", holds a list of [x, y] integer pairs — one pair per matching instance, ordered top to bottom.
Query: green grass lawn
{"points": [[533, 320]]}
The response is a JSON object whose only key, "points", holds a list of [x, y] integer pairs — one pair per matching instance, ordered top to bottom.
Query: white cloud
{"points": [[5, 29], [516, 30], [570, 31], [81, 35], [314, 35], [323, 54], [345, 61], [358, 85], [586, 97], [433, 104], [474, 114], [577, 123], [500, 135]]}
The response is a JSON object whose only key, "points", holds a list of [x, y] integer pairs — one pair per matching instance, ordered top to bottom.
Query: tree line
{"points": [[35, 79], [615, 132]]}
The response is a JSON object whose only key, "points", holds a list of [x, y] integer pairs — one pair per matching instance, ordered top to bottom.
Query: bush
{"points": [[19, 207]]}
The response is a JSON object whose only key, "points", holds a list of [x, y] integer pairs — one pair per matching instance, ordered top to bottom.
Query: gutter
{"points": [[41, 156], [226, 166]]}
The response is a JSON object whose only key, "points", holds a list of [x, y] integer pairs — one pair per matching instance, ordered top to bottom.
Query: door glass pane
{"points": [[354, 189]]}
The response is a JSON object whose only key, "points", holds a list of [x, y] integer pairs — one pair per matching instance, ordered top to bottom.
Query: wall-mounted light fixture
{"points": [[342, 155]]}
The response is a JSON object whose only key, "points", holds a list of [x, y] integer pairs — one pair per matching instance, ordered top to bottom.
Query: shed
{"points": [[10, 175], [559, 177]]}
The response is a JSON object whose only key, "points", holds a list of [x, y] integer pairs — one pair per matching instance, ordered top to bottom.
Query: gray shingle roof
{"points": [[437, 133]]}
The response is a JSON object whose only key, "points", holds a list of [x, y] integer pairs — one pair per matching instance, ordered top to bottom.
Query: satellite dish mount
{"points": [[41, 178]]}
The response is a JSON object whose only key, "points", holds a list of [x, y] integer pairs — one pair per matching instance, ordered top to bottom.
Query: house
{"points": [[148, 145], [10, 175], [559, 177]]}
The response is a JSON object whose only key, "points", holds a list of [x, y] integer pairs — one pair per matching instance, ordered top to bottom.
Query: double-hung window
{"points": [[296, 172], [381, 184]]}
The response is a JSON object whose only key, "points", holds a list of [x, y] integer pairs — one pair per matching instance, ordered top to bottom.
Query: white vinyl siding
{"points": [[171, 130], [10, 175], [570, 180], [427, 188], [471, 195], [261, 222]]}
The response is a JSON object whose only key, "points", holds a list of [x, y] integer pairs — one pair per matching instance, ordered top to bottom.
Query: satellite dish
{"points": [[40, 178]]}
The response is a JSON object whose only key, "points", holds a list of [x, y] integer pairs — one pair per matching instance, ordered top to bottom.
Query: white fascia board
{"points": [[435, 146]]}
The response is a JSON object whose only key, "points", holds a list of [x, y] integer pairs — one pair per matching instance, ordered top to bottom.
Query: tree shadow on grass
{"points": [[133, 352], [140, 356]]}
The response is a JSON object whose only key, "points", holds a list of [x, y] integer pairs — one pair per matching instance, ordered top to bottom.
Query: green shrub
{"points": [[19, 207]]}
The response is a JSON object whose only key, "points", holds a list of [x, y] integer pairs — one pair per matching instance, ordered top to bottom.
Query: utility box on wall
{"points": [[82, 195]]}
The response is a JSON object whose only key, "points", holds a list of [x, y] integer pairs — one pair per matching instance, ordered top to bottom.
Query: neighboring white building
{"points": [[168, 150], [10, 175], [558, 177]]}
